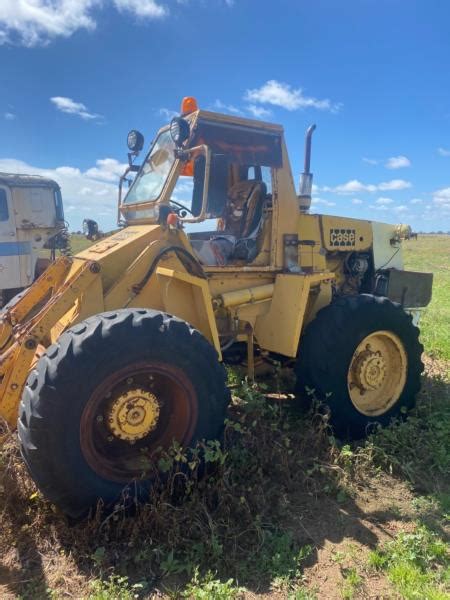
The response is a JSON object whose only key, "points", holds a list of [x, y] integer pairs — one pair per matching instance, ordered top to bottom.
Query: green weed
{"points": [[417, 448], [281, 558], [418, 564], [351, 583], [114, 587], [208, 588], [302, 594]]}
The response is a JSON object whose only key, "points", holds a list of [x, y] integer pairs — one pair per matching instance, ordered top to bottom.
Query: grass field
{"points": [[431, 253], [286, 512]]}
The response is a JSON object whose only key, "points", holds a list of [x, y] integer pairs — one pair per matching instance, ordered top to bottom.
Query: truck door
{"points": [[10, 248]]}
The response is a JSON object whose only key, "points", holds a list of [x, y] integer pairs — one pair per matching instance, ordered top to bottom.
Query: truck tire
{"points": [[360, 356], [107, 396]]}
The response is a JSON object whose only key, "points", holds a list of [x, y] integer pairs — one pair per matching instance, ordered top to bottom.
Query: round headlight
{"points": [[179, 131], [135, 140]]}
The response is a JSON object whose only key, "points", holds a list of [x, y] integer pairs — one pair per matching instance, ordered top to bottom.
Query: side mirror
{"points": [[179, 131], [135, 141]]}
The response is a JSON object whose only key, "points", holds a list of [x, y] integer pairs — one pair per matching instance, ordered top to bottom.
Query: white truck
{"points": [[31, 221]]}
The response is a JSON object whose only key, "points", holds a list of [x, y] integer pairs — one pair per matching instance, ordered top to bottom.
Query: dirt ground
{"points": [[40, 557]]}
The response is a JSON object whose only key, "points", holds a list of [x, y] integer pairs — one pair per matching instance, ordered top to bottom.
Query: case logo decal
{"points": [[342, 237]]}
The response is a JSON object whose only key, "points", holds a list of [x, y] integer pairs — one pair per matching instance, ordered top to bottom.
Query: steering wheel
{"points": [[181, 208]]}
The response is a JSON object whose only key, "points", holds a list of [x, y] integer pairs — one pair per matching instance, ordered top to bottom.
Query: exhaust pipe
{"points": [[306, 177]]}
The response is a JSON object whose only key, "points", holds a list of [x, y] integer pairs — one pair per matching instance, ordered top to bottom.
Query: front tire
{"points": [[361, 356], [111, 392]]}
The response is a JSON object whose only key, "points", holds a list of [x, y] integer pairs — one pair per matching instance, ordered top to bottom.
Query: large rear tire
{"points": [[360, 356], [111, 392]]}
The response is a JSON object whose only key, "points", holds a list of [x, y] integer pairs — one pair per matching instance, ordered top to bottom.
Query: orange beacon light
{"points": [[188, 105]]}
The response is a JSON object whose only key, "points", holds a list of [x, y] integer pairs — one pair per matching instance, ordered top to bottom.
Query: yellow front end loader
{"points": [[113, 354]]}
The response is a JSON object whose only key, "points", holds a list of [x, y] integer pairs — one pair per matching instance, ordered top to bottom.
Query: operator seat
{"points": [[243, 212], [235, 238]]}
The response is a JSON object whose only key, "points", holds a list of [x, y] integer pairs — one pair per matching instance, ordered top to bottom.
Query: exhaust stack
{"points": [[306, 177]]}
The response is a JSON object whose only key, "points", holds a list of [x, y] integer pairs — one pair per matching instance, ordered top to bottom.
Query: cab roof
{"points": [[205, 115], [20, 180]]}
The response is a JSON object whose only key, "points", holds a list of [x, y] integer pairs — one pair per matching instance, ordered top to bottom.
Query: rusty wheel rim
{"points": [[124, 450]]}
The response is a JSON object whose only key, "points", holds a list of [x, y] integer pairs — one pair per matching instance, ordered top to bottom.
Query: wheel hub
{"points": [[369, 370], [377, 373], [133, 415]]}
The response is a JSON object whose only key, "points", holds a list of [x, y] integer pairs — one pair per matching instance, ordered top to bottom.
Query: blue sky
{"points": [[76, 75]]}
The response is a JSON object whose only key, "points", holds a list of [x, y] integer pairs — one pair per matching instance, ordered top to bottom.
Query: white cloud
{"points": [[144, 9], [33, 22], [38, 22], [282, 94], [69, 106], [229, 108], [252, 109], [258, 111], [167, 113], [9, 116], [443, 152], [394, 162], [397, 162], [107, 169], [394, 184], [354, 186], [351, 187], [89, 193], [443, 194], [441, 198], [357, 201], [384, 201], [416, 201], [323, 202], [400, 209]]}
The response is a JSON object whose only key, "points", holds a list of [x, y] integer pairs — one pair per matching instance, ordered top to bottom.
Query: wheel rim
{"points": [[377, 373], [132, 415]]}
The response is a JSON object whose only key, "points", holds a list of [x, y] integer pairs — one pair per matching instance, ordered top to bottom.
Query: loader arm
{"points": [[120, 271], [28, 324]]}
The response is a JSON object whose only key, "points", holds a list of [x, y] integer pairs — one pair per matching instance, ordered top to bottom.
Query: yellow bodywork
{"points": [[143, 265], [105, 277]]}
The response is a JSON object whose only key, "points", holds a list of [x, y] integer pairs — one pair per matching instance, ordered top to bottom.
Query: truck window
{"points": [[59, 206], [4, 213]]}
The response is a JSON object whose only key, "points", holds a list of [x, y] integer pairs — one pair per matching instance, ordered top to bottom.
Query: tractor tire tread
{"points": [[329, 341], [41, 402]]}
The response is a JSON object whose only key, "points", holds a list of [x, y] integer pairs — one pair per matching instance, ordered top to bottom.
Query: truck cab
{"points": [[31, 216]]}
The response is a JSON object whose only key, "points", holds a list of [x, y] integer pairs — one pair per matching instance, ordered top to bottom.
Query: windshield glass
{"points": [[151, 178]]}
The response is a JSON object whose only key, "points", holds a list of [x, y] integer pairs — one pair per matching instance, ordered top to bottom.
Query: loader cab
{"points": [[219, 183], [238, 210]]}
